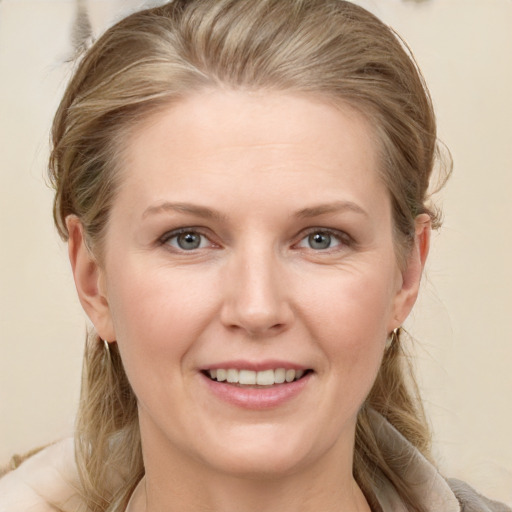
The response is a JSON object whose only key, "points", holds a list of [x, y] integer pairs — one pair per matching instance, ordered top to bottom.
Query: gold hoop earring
{"points": [[392, 338]]}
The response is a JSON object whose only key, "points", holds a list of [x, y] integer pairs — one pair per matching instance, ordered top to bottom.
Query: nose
{"points": [[256, 297]]}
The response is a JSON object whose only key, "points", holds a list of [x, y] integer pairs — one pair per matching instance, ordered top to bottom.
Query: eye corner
{"points": [[187, 240], [324, 240]]}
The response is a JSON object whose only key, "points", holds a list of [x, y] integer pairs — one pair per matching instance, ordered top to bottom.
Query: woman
{"points": [[243, 188]]}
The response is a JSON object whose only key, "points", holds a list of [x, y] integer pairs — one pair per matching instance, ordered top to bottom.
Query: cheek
{"points": [[352, 307], [348, 315], [157, 316]]}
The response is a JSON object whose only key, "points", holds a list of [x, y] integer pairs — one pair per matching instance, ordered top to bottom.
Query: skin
{"points": [[271, 169]]}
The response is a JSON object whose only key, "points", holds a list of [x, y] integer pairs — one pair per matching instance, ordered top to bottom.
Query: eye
{"points": [[186, 240], [320, 240]]}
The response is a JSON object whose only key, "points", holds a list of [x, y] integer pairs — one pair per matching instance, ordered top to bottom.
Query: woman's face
{"points": [[250, 241]]}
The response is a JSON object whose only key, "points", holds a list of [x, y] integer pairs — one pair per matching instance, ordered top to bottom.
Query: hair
{"points": [[149, 60]]}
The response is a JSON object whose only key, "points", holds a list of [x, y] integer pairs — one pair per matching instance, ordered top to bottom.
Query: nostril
{"points": [[258, 306], [257, 331]]}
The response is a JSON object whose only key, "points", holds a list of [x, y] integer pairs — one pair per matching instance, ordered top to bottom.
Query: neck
{"points": [[174, 483], [248, 498]]}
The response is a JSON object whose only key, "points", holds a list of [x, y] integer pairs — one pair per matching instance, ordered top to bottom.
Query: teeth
{"points": [[279, 375], [290, 375], [232, 376], [247, 377], [251, 378], [265, 378]]}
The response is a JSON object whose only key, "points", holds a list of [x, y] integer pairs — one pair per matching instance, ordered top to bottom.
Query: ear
{"points": [[411, 274], [89, 280]]}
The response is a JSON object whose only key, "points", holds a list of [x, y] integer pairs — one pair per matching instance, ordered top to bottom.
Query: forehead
{"points": [[225, 143]]}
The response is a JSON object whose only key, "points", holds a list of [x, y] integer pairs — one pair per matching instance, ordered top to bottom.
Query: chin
{"points": [[263, 453], [258, 466]]}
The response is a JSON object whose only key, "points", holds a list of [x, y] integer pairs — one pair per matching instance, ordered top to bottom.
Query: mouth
{"points": [[256, 379], [257, 385]]}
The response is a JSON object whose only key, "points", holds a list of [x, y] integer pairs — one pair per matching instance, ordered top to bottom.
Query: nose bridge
{"points": [[256, 299]]}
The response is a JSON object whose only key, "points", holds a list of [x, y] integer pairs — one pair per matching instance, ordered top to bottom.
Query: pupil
{"points": [[320, 240], [189, 241]]}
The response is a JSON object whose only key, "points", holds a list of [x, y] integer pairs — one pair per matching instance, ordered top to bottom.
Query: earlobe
{"points": [[411, 275], [88, 277]]}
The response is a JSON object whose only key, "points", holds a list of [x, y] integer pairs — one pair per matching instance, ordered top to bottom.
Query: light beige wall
{"points": [[463, 320]]}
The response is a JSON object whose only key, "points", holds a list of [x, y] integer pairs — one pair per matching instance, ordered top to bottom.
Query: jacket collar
{"points": [[50, 477], [423, 479]]}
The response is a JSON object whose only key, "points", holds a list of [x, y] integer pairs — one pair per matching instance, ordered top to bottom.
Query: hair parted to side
{"points": [[329, 48]]}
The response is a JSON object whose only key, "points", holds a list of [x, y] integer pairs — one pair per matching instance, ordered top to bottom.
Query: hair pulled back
{"points": [[151, 59]]}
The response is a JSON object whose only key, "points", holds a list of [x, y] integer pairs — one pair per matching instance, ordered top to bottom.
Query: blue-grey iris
{"points": [[319, 240], [189, 241]]}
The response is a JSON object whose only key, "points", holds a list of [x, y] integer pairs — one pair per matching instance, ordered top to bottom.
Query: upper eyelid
{"points": [[178, 231], [168, 235], [342, 235]]}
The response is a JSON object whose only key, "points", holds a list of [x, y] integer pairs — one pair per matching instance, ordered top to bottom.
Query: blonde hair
{"points": [[155, 57]]}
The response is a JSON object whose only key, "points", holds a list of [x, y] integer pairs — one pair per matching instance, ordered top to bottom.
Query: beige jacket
{"points": [[48, 481]]}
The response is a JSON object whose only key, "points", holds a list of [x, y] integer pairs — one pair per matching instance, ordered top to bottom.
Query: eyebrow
{"points": [[335, 207], [198, 211], [208, 213]]}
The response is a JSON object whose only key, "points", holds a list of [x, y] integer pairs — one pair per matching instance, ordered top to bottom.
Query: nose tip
{"points": [[256, 300], [257, 322]]}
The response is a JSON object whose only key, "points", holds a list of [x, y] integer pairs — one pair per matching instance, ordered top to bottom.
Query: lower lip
{"points": [[257, 398]]}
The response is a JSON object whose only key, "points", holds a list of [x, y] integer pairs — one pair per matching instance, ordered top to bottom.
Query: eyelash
{"points": [[167, 237], [344, 240]]}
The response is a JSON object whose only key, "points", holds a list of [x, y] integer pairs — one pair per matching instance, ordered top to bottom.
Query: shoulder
{"points": [[45, 482], [472, 501]]}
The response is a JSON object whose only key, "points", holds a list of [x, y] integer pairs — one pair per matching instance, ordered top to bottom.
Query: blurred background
{"points": [[462, 324]]}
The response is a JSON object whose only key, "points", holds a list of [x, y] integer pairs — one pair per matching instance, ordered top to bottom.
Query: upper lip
{"points": [[257, 366]]}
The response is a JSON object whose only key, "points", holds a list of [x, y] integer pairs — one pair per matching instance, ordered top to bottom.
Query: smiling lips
{"points": [[252, 378], [256, 385]]}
